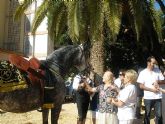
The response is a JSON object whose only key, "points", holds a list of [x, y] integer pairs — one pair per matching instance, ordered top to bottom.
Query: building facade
{"points": [[17, 36]]}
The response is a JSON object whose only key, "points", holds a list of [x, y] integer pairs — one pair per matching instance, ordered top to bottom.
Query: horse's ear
{"points": [[87, 45], [81, 46]]}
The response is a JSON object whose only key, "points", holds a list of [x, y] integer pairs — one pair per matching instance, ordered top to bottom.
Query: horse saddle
{"points": [[32, 67], [10, 77]]}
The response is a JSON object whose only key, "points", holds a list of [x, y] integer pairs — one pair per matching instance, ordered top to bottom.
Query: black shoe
{"points": [[39, 109]]}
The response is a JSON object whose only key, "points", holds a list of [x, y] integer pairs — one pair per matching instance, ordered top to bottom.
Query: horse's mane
{"points": [[61, 54]]}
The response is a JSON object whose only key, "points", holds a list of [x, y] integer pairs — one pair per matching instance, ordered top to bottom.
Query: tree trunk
{"points": [[161, 4], [97, 59]]}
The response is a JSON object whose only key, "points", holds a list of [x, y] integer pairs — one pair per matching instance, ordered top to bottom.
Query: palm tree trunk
{"points": [[161, 4], [97, 57]]}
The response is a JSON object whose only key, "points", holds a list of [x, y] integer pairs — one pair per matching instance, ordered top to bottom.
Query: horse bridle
{"points": [[84, 54]]}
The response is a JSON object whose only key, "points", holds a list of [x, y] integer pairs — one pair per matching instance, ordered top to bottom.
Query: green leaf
{"points": [[21, 9], [40, 14], [113, 14], [55, 15], [96, 17], [155, 19], [73, 23]]}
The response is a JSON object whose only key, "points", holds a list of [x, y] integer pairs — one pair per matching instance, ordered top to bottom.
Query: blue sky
{"points": [[157, 5]]}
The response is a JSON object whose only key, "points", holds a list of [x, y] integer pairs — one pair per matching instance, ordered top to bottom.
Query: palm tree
{"points": [[94, 20]]}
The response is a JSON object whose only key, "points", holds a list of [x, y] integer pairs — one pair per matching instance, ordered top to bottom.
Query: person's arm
{"points": [[161, 80], [141, 81], [76, 83], [142, 86], [89, 88], [162, 90], [117, 102]]}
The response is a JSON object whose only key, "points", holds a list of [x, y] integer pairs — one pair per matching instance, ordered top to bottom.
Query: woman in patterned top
{"points": [[106, 111]]}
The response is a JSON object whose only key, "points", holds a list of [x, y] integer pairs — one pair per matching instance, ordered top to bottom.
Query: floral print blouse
{"points": [[105, 107]]}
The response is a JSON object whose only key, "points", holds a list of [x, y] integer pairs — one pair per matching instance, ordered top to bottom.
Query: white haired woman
{"points": [[106, 111]]}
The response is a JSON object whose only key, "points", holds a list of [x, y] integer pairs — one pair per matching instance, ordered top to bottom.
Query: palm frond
{"points": [[137, 8], [21, 9], [40, 14], [113, 14], [54, 16], [96, 18], [155, 19], [83, 20], [61, 24], [73, 26]]}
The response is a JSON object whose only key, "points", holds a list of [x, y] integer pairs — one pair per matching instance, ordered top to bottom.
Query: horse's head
{"points": [[69, 56], [82, 60]]}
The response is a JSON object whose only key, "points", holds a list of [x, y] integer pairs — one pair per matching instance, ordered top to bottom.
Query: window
{"points": [[35, 45]]}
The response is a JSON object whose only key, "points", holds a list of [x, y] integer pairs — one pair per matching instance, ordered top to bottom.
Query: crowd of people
{"points": [[118, 100]]}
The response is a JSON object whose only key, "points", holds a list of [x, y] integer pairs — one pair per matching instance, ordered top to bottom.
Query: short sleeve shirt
{"points": [[147, 78], [76, 82], [118, 82], [127, 95], [105, 107]]}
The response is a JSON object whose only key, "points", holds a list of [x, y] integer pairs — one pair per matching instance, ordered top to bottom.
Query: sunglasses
{"points": [[120, 74]]}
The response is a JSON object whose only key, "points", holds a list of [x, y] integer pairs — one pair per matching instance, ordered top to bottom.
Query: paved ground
{"points": [[68, 116]]}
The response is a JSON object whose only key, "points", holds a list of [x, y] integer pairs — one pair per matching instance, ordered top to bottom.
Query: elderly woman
{"points": [[127, 99], [107, 113]]}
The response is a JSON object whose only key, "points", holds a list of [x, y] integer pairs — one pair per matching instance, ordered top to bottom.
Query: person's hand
{"points": [[82, 85], [156, 85], [160, 89], [155, 90], [90, 93], [109, 100], [114, 100]]}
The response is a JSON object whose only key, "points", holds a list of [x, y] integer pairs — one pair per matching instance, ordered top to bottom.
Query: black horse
{"points": [[58, 63]]}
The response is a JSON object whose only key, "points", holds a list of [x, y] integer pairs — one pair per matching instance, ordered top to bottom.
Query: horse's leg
{"points": [[55, 112], [45, 113]]}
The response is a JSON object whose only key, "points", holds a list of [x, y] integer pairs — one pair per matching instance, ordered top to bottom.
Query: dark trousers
{"points": [[82, 100], [157, 105], [138, 107]]}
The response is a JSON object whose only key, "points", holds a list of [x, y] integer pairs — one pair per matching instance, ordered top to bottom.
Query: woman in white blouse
{"points": [[127, 99]]}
